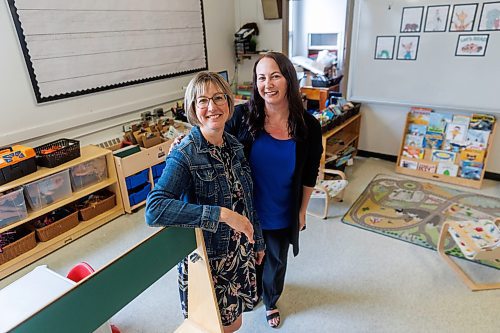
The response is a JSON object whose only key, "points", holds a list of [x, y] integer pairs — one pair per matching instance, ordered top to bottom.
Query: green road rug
{"points": [[414, 211]]}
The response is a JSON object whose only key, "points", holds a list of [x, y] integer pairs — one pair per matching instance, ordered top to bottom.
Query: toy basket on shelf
{"points": [[57, 152], [92, 209], [56, 228], [25, 243]]}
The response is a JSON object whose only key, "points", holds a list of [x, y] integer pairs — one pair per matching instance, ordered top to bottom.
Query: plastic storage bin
{"points": [[158, 169], [88, 173], [138, 179], [48, 190], [139, 195], [12, 207]]}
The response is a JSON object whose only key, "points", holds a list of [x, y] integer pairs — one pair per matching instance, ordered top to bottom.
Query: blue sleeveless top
{"points": [[273, 163]]}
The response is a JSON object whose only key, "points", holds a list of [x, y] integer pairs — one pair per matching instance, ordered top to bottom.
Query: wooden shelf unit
{"points": [[318, 93], [347, 132], [427, 159], [135, 163], [43, 248]]}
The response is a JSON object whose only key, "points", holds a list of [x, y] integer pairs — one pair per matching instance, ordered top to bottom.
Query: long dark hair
{"points": [[257, 115]]}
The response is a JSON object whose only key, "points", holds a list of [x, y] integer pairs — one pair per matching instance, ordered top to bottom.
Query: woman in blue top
{"points": [[284, 147], [207, 184]]}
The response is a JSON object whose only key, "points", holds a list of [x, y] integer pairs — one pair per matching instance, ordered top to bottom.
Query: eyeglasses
{"points": [[218, 99]]}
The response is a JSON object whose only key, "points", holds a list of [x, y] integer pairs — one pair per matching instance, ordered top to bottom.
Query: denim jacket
{"points": [[193, 188]]}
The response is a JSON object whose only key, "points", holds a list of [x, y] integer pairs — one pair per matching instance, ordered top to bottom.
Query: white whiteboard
{"points": [[74, 47], [436, 78]]}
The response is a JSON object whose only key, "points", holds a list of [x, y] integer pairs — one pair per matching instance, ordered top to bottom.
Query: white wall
{"points": [[23, 121]]}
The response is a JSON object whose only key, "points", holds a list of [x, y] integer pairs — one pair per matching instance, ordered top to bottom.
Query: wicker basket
{"points": [[67, 150], [97, 208], [57, 228], [18, 247]]}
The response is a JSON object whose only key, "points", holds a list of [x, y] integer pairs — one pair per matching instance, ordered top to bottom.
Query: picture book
{"points": [[420, 115], [461, 119], [437, 122], [483, 122], [417, 129], [456, 132], [477, 139], [414, 140], [433, 140], [455, 147], [413, 152], [472, 155], [443, 156], [408, 164], [472, 164], [427, 167], [447, 169], [471, 173]]}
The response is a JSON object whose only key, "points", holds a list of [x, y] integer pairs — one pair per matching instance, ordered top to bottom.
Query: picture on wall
{"points": [[462, 17], [490, 17], [437, 18], [411, 20], [472, 45], [384, 47], [408, 47]]}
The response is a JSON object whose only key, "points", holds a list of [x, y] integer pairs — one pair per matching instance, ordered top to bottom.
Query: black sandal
{"points": [[272, 316]]}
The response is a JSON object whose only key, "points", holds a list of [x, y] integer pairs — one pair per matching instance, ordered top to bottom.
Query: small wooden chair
{"points": [[328, 189], [477, 240]]}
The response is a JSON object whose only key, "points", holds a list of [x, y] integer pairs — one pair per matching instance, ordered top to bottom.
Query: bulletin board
{"points": [[73, 48], [450, 60]]}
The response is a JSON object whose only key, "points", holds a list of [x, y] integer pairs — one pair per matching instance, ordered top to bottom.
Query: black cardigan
{"points": [[308, 155]]}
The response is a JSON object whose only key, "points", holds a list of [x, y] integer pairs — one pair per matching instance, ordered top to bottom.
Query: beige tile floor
{"points": [[344, 280]]}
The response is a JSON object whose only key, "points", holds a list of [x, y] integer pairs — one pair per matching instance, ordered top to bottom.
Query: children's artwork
{"points": [[462, 17], [490, 17], [437, 18], [411, 20], [471, 45], [384, 47], [408, 47], [481, 121], [437, 122], [417, 129], [456, 132], [477, 139], [414, 140], [433, 140], [413, 152], [472, 155], [443, 156], [408, 164], [426, 167], [447, 169]]}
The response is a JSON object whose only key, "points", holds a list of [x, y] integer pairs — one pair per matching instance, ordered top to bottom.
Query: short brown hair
{"points": [[197, 86]]}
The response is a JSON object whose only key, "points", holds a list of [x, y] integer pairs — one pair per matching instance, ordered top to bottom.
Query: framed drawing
{"points": [[462, 17], [490, 17], [437, 18], [411, 20], [472, 45], [384, 47], [408, 47]]}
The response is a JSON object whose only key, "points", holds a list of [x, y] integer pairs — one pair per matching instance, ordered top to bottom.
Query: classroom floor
{"points": [[345, 279]]}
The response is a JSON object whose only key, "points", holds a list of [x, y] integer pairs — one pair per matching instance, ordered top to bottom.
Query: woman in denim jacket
{"points": [[207, 184]]}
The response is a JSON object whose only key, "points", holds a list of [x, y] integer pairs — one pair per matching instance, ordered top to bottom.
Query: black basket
{"points": [[67, 151]]}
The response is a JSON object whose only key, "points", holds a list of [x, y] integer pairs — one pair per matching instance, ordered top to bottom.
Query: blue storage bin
{"points": [[158, 169], [137, 179], [155, 180], [139, 195]]}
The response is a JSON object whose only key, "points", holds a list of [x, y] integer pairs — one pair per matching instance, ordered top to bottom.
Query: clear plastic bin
{"points": [[88, 173], [48, 190], [12, 207]]}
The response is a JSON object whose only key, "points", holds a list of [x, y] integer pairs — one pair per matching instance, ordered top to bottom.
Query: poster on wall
{"points": [[462, 17], [490, 17], [437, 18], [411, 19], [472, 45], [384, 47], [408, 47], [73, 48]]}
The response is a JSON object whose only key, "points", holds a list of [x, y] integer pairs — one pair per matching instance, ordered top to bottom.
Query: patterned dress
{"points": [[233, 275]]}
